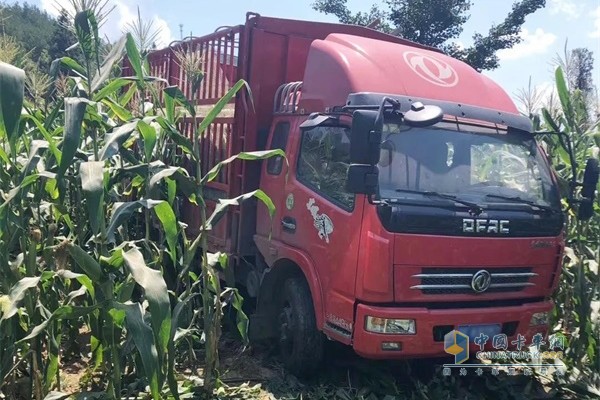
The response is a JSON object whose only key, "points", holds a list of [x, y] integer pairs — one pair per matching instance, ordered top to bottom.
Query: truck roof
{"points": [[342, 64]]}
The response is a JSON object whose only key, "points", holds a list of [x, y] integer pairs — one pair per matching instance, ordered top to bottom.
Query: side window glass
{"points": [[279, 141], [324, 161]]}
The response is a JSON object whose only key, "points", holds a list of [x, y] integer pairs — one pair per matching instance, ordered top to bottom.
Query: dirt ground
{"points": [[255, 373]]}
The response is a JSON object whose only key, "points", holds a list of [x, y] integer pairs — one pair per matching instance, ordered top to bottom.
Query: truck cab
{"points": [[462, 228]]}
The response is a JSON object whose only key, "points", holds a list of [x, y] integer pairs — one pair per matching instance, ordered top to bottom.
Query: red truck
{"points": [[414, 200]]}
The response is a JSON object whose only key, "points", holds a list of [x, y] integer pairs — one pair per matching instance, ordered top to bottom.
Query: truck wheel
{"points": [[300, 342]]}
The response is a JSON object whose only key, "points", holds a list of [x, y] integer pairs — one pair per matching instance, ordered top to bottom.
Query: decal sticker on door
{"points": [[322, 222]]}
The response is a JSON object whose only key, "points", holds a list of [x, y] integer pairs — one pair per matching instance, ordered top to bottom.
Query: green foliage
{"points": [[437, 22], [33, 29], [89, 232], [578, 296]]}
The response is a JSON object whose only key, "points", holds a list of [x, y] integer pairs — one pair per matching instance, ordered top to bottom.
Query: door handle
{"points": [[288, 224]]}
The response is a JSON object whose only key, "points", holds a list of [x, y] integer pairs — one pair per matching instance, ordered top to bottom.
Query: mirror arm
{"points": [[395, 104], [374, 202]]}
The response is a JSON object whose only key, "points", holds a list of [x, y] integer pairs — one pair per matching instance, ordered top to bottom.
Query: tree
{"points": [[437, 23], [31, 28], [62, 37], [578, 65], [580, 71]]}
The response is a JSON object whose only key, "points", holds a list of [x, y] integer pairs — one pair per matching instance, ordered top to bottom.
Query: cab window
{"points": [[279, 141], [324, 161]]}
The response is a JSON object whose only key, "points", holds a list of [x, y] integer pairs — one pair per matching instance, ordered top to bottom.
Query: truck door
{"points": [[320, 218]]}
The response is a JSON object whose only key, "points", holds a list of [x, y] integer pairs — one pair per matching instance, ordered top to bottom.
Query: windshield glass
{"points": [[478, 164]]}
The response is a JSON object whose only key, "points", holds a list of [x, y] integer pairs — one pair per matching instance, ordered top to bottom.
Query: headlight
{"points": [[540, 318], [391, 326]]}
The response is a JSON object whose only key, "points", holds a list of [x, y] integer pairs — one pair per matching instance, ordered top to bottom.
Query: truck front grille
{"points": [[458, 280]]}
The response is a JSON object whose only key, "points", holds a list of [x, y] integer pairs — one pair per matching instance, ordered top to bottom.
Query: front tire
{"points": [[300, 342]]}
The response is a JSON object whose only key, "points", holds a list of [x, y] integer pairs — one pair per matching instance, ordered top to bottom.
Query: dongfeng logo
{"points": [[431, 69], [481, 281]]}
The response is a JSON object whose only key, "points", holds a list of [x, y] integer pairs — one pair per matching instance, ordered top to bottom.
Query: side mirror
{"points": [[365, 138], [362, 179], [588, 190]]}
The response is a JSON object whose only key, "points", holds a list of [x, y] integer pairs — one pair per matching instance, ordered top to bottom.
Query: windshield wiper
{"points": [[517, 199], [474, 207]]}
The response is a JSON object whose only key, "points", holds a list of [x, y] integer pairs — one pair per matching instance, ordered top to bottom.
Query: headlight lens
{"points": [[540, 318], [391, 326]]}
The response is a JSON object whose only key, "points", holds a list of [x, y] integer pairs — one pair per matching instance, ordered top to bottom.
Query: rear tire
{"points": [[300, 342]]}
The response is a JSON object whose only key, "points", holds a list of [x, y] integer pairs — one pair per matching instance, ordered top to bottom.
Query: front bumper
{"points": [[424, 344]]}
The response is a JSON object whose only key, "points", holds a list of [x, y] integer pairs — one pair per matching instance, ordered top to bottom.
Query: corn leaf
{"points": [[86, 30], [113, 57], [135, 59], [73, 65], [12, 87], [111, 88], [176, 96], [564, 96], [126, 98], [169, 108], [216, 110], [74, 112], [121, 112], [550, 121], [149, 135], [47, 136], [116, 140], [183, 142], [249, 156], [34, 157], [163, 174], [27, 181], [92, 184], [223, 204], [122, 212], [165, 214], [87, 263], [83, 279], [155, 292], [17, 294], [233, 297], [64, 312], [143, 339], [54, 395]]}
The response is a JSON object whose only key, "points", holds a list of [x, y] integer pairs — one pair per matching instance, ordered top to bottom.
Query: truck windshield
{"points": [[485, 166]]}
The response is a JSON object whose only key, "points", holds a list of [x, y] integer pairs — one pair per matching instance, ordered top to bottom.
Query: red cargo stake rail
{"points": [[266, 53]]}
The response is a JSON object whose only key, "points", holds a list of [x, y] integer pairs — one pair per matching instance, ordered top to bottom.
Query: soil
{"points": [[254, 373]]}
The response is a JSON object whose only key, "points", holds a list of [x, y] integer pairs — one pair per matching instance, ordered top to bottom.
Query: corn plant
{"points": [[90, 231], [575, 316]]}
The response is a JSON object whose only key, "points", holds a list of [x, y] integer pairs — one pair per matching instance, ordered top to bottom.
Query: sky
{"points": [[544, 33]]}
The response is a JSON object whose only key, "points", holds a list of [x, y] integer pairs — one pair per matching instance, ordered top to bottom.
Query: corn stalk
{"points": [[90, 235]]}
